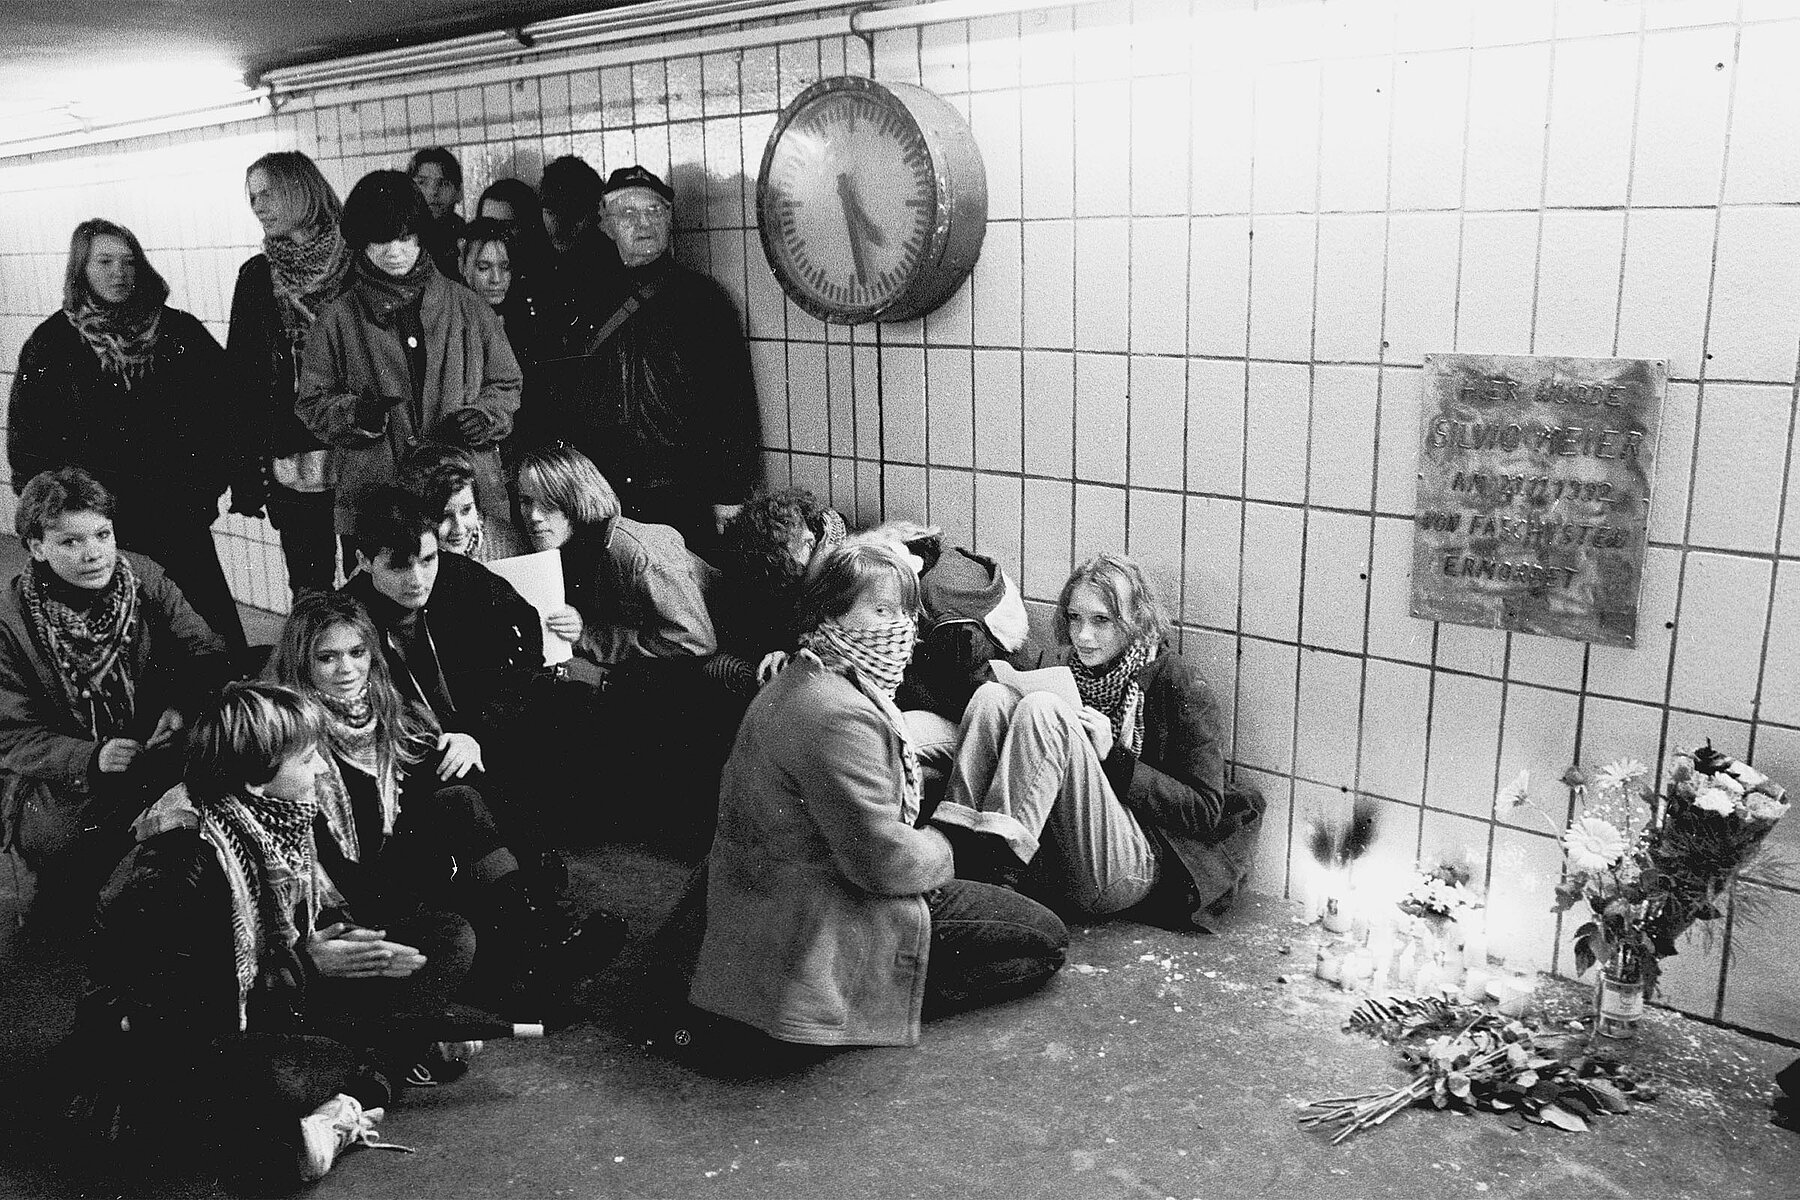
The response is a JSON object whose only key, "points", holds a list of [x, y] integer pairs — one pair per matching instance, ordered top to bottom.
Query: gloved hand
{"points": [[372, 410], [464, 427]]}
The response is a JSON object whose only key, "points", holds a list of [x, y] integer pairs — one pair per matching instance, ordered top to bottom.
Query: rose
{"points": [[1759, 807]]}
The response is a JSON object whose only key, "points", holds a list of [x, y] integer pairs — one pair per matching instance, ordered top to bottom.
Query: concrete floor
{"points": [[1156, 1065]]}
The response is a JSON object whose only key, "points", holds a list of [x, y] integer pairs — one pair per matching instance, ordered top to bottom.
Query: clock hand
{"points": [[855, 224]]}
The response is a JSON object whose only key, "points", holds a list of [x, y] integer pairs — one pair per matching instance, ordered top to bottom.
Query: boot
{"points": [[982, 857], [557, 948]]}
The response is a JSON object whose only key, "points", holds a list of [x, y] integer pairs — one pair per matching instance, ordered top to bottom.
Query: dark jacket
{"points": [[264, 378], [668, 400], [164, 446], [489, 639], [47, 751], [1175, 786]]}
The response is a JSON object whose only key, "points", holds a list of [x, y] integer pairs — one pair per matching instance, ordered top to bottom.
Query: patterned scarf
{"points": [[307, 276], [386, 295], [123, 336], [91, 648], [879, 657], [1117, 692], [355, 742], [266, 848]]}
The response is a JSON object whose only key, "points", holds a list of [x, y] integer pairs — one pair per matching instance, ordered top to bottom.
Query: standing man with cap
{"points": [[662, 398]]}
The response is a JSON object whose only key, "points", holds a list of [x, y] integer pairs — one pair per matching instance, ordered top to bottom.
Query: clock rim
{"points": [[929, 259]]}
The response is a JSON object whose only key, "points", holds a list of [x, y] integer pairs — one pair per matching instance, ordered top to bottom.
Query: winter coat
{"points": [[350, 355], [264, 379], [164, 446], [641, 593], [48, 756], [1174, 784], [817, 930]]}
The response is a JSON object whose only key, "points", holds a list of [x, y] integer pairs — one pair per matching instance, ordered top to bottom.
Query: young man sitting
{"points": [[101, 661]]}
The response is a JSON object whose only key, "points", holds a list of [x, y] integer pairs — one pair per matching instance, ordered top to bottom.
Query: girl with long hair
{"points": [[304, 265], [131, 390]]}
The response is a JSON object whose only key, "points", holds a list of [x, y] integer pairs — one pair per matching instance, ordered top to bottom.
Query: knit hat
{"points": [[635, 176], [961, 584]]}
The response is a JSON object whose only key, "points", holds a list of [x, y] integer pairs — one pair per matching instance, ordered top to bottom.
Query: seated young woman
{"points": [[443, 478], [635, 590], [101, 662], [1101, 807], [397, 834], [818, 870], [232, 997]]}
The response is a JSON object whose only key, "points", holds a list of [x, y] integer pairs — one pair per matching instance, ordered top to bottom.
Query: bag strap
{"points": [[623, 314]]}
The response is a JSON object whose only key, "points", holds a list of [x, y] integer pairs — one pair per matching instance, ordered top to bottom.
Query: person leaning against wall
{"points": [[439, 178], [304, 265], [403, 356], [131, 390]]}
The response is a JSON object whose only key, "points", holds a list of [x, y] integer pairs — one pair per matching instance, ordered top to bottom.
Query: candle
{"points": [[1475, 947], [1331, 963], [1359, 968], [1475, 982], [1513, 994]]}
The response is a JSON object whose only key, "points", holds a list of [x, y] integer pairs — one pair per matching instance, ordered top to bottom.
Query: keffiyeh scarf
{"points": [[307, 276], [123, 336], [90, 647], [879, 657], [1116, 691], [355, 742], [265, 846]]}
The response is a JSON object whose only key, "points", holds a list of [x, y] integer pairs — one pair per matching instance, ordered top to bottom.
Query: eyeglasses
{"points": [[639, 216]]}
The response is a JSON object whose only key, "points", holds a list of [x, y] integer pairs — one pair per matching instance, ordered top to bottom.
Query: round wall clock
{"points": [[872, 200]]}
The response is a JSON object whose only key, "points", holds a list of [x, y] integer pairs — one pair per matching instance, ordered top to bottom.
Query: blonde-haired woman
{"points": [[1102, 807]]}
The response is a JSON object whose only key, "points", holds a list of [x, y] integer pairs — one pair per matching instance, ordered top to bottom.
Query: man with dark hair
{"points": [[439, 178], [585, 262], [658, 389], [458, 638], [101, 662]]}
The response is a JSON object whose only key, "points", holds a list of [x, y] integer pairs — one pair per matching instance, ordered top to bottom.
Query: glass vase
{"points": [[1619, 997]]}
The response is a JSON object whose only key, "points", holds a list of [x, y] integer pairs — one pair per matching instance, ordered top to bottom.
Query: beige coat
{"points": [[817, 930]]}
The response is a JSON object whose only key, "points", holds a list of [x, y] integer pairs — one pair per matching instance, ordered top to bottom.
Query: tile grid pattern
{"points": [[1222, 237]]}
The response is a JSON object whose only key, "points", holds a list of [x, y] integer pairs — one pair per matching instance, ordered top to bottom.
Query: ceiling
{"points": [[86, 57]]}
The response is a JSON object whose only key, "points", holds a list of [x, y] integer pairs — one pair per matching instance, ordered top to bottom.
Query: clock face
{"points": [[849, 202]]}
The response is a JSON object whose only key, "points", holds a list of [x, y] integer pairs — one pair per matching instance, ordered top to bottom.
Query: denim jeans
{"points": [[1027, 772], [987, 944]]}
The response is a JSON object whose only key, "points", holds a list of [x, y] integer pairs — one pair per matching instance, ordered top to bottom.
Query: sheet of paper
{"points": [[538, 577], [1058, 681]]}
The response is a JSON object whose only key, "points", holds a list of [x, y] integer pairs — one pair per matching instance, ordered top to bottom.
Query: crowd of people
{"points": [[309, 873]]}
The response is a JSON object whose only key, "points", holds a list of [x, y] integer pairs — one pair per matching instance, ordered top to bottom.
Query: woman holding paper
{"points": [[1106, 805], [831, 918]]}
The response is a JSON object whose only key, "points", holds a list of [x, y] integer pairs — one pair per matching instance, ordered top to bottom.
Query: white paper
{"points": [[539, 578], [1058, 680]]}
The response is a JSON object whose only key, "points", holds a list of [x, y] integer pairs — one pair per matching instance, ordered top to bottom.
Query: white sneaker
{"points": [[332, 1128]]}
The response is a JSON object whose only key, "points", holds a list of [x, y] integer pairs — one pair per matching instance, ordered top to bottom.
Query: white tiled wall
{"points": [[1223, 236]]}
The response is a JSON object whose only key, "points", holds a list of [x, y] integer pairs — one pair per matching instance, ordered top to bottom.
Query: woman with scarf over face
{"points": [[304, 265], [404, 356], [131, 390], [102, 663], [1099, 808], [393, 833], [831, 919], [234, 1005]]}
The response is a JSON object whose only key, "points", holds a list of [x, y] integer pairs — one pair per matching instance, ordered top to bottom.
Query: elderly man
{"points": [[657, 389]]}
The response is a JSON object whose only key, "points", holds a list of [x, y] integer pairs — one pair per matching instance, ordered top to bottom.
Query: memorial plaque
{"points": [[1534, 492]]}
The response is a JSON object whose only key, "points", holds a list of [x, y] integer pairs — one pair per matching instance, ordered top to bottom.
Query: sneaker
{"points": [[446, 1063], [334, 1127]]}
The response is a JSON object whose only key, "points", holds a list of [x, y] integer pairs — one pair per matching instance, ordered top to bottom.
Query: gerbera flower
{"points": [[1619, 773], [1515, 794], [1759, 807], [1593, 844]]}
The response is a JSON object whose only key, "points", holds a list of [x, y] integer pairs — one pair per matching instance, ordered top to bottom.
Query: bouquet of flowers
{"points": [[1650, 864], [1442, 893]]}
